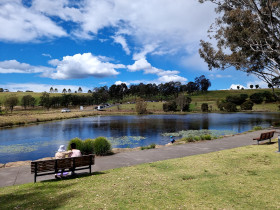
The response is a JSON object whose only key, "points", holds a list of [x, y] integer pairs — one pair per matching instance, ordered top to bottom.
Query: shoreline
{"points": [[35, 119], [114, 151]]}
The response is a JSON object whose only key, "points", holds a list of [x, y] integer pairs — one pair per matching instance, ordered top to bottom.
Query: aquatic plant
{"points": [[125, 140]]}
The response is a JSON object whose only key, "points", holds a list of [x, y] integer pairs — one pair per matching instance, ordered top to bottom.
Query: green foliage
{"points": [[269, 97], [257, 98], [237, 99], [28, 100], [10, 102], [247, 105], [141, 106], [169, 106], [227, 106], [204, 107], [257, 128], [77, 141], [101, 146], [151, 146], [88, 147]]}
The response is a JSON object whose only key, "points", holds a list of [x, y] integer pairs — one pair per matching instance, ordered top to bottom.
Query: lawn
{"points": [[242, 178]]}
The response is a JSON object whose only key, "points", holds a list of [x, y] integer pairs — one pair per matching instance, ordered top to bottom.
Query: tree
{"points": [[248, 38], [202, 83], [251, 86], [257, 86], [238, 87], [1, 90], [51, 90], [55, 90], [69, 90], [80, 90], [89, 91], [28, 100], [45, 100], [10, 102], [183, 102], [141, 106]]}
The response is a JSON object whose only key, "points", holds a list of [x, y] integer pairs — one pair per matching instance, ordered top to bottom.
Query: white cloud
{"points": [[21, 24], [121, 40], [144, 65], [13, 66], [82, 66], [170, 78], [120, 82], [261, 84], [234, 86], [35, 87]]}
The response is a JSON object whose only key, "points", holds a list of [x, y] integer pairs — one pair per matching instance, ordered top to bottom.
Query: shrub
{"points": [[269, 97], [257, 98], [238, 100], [247, 105], [141, 106], [169, 106], [227, 106], [204, 107], [256, 128], [189, 138], [197, 138], [77, 141], [101, 146], [151, 146], [88, 147]]}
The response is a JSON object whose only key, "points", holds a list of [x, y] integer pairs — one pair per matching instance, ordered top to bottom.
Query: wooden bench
{"points": [[265, 136], [47, 167]]}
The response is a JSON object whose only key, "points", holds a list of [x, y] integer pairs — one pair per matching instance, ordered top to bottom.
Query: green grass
{"points": [[241, 178]]}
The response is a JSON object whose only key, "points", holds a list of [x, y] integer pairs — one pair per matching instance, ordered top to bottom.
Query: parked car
{"points": [[65, 110]]}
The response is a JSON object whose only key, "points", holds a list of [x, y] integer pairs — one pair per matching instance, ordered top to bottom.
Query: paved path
{"points": [[21, 175]]}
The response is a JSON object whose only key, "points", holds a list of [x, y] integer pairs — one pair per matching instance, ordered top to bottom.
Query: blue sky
{"points": [[92, 43]]}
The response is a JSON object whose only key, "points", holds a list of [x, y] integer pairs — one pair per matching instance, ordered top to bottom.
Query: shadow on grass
{"points": [[76, 175], [38, 196]]}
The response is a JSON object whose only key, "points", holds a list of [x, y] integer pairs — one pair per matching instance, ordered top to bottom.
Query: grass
{"points": [[241, 178]]}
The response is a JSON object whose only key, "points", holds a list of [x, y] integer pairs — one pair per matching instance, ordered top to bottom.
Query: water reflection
{"points": [[48, 136]]}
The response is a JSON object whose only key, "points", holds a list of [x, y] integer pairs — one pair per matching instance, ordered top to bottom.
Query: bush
{"points": [[269, 97], [257, 98], [238, 100], [247, 105], [141, 106], [169, 106], [227, 106], [204, 107], [257, 128], [78, 142], [101, 146], [151, 146], [88, 147]]}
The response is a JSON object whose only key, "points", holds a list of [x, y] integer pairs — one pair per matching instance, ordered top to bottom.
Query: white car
{"points": [[65, 110]]}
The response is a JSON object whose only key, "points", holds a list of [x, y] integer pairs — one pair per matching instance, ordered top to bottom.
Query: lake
{"points": [[42, 140]]}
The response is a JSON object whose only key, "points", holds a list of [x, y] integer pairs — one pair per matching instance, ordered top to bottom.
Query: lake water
{"points": [[42, 140]]}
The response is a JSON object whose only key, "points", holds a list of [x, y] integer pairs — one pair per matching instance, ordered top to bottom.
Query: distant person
{"points": [[172, 140], [75, 152], [60, 154]]}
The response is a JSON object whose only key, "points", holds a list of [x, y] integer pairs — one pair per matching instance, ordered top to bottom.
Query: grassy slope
{"points": [[241, 178]]}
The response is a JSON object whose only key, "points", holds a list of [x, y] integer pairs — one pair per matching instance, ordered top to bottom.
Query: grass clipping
{"points": [[230, 179]]}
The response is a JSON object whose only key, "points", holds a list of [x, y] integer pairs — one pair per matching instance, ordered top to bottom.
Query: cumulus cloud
{"points": [[21, 24], [121, 40], [144, 65], [13, 66], [82, 66], [120, 82], [35, 87]]}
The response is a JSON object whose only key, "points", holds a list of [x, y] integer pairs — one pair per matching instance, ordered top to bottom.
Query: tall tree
{"points": [[248, 38], [51, 90], [80, 90], [28, 100], [11, 102]]}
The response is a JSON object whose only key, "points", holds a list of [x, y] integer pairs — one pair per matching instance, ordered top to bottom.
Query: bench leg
{"points": [[35, 178]]}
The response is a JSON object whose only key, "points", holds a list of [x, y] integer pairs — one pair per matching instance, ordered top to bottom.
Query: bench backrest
{"points": [[267, 135], [57, 164]]}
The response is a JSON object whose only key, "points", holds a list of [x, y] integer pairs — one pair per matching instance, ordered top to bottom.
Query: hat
{"points": [[171, 136], [61, 148]]}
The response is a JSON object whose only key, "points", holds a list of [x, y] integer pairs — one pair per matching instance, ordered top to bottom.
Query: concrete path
{"points": [[21, 175]]}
